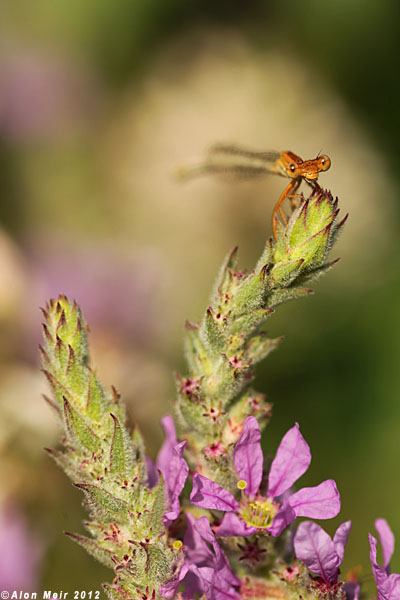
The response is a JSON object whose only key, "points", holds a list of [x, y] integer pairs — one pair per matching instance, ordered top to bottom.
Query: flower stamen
{"points": [[258, 513]]}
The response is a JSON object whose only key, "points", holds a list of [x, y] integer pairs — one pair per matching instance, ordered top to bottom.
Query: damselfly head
{"points": [[310, 169]]}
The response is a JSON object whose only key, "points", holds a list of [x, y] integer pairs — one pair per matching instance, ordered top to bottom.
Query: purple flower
{"points": [[43, 96], [95, 277], [169, 444], [173, 467], [278, 508], [319, 552], [20, 553], [205, 569], [387, 585]]}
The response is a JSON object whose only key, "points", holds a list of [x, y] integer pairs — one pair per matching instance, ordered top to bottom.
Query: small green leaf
{"points": [[266, 256], [285, 272], [221, 285], [250, 294], [284, 295], [247, 323], [213, 332], [260, 346], [195, 350], [76, 374], [59, 390], [95, 401], [190, 415], [78, 430], [117, 451], [138, 453], [104, 505], [158, 507], [160, 564]]}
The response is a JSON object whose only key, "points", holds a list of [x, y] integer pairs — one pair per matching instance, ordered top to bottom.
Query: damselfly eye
{"points": [[325, 162], [292, 168]]}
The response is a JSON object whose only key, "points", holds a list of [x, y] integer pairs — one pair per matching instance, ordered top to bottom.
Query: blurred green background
{"points": [[99, 102]]}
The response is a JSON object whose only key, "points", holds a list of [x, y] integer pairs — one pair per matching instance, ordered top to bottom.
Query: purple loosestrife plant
{"points": [[275, 509], [140, 524]]}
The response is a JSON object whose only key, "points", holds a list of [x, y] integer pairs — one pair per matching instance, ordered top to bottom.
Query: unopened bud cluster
{"points": [[222, 350], [105, 461]]}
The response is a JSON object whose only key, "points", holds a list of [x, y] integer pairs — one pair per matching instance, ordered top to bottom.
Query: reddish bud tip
{"points": [[343, 221], [47, 334], [116, 395]]}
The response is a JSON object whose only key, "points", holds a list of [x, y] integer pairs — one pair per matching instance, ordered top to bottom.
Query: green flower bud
{"points": [[303, 245]]}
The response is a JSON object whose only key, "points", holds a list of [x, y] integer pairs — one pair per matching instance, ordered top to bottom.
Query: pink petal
{"points": [[170, 442], [248, 456], [292, 459], [177, 471], [175, 475], [208, 494], [319, 502], [171, 516], [282, 519], [202, 525], [231, 525], [203, 528], [340, 539], [386, 539], [196, 548], [315, 548], [379, 572], [201, 574], [194, 584], [215, 586], [170, 589], [391, 589]]}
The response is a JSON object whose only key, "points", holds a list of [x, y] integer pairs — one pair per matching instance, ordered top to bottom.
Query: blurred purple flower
{"points": [[42, 96], [97, 277], [173, 466], [279, 508], [319, 552], [20, 553], [204, 571], [387, 585]]}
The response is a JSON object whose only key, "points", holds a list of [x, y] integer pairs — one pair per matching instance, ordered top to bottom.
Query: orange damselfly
{"points": [[240, 162]]}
